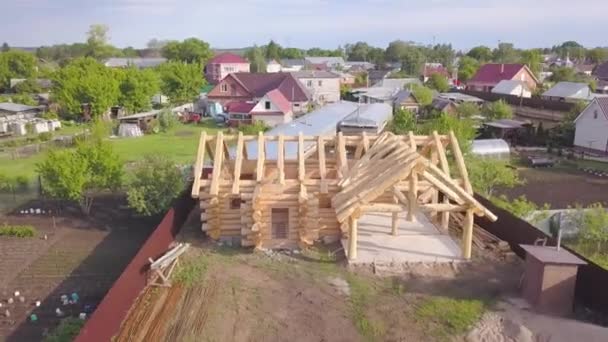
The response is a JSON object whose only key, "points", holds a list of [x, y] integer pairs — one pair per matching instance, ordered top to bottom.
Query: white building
{"points": [[273, 66], [324, 86], [512, 87], [592, 127]]}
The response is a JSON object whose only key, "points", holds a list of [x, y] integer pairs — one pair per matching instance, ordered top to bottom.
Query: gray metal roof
{"points": [[326, 60], [119, 62], [293, 62], [314, 74], [397, 83], [571, 90], [378, 93], [460, 97], [15, 107], [140, 115], [374, 115], [323, 121], [506, 123]]}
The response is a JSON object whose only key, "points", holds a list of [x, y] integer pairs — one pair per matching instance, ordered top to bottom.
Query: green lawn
{"points": [[180, 144]]}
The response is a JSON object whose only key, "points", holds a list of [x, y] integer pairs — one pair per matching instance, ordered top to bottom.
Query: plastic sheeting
{"points": [[129, 130], [491, 148]]}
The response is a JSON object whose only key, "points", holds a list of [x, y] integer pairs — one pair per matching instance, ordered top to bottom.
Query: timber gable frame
{"points": [[327, 185]]}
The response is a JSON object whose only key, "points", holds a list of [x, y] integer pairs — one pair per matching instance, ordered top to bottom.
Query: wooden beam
{"points": [[412, 140], [341, 154], [261, 157], [281, 158], [443, 161], [238, 162], [217, 164], [198, 166], [301, 167], [322, 168], [462, 169], [400, 196], [412, 196], [442, 207], [383, 208], [394, 223], [467, 234], [352, 239]]}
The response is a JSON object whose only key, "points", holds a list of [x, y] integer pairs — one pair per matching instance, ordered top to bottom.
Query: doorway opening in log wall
{"points": [[280, 223]]}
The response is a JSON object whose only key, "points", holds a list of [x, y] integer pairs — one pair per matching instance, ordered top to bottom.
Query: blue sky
{"points": [[308, 23]]}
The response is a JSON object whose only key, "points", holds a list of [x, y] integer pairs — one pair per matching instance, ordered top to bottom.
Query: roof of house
{"points": [[227, 57], [325, 60], [119, 62], [293, 62], [364, 65], [584, 67], [602, 71], [494, 72], [315, 74], [378, 74], [398, 83], [259, 84], [508, 86], [572, 90], [378, 93], [402, 96], [460, 97], [279, 100], [602, 102], [441, 104], [15, 107], [240, 107], [374, 115], [506, 123]]}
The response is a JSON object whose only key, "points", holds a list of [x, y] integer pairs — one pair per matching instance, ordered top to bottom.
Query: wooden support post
{"points": [[261, 157], [281, 158], [443, 161], [238, 162], [217, 164], [198, 166], [301, 168], [412, 196], [395, 220], [467, 234], [352, 239]]}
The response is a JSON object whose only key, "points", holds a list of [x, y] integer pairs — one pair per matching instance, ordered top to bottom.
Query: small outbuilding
{"points": [[512, 87]]}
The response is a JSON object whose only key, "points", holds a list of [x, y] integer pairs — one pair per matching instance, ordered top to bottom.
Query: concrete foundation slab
{"points": [[417, 241]]}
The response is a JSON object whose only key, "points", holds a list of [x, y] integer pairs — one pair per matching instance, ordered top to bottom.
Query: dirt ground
{"points": [[560, 187], [80, 254], [222, 294]]}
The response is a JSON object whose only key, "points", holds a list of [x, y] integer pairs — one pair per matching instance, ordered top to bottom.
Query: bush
{"points": [[50, 115], [167, 120], [254, 128], [45, 136], [17, 231], [67, 330]]}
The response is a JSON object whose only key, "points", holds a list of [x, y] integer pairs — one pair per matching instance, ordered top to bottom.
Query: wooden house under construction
{"points": [[290, 191]]}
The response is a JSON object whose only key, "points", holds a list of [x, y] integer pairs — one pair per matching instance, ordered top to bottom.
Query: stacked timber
{"points": [[252, 237], [482, 239]]}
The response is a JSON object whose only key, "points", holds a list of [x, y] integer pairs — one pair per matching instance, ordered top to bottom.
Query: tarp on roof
{"points": [[375, 115]]}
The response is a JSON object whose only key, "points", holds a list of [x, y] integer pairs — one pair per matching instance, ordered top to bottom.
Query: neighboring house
{"points": [[138, 62], [331, 62], [224, 64], [291, 65], [359, 65], [273, 66], [429, 69], [585, 69], [601, 72], [489, 75], [375, 76], [347, 79], [397, 83], [324, 86], [252, 87], [512, 87], [602, 87], [568, 92], [375, 94], [461, 98], [405, 100], [443, 105], [272, 109], [18, 110], [371, 119], [592, 127]]}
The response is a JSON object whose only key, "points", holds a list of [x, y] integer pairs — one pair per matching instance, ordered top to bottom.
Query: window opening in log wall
{"points": [[280, 223]]}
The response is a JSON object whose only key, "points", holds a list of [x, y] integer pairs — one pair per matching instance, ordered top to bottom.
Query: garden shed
{"points": [[331, 181]]}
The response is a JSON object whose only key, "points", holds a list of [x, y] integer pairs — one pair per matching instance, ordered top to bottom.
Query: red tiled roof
{"points": [[227, 57], [494, 73], [259, 84], [279, 100], [240, 107]]}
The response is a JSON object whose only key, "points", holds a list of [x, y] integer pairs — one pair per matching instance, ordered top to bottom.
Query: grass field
{"points": [[180, 144]]}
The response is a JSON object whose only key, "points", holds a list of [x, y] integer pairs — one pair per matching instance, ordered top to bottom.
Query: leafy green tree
{"points": [[98, 42], [5, 47], [191, 50], [396, 50], [129, 51], [273, 51], [318, 52], [358, 52], [292, 53], [442, 53], [505, 53], [482, 54], [255, 55], [597, 55], [376, 56], [533, 59], [412, 61], [16, 64], [467, 68], [564, 74], [84, 80], [181, 82], [438, 82], [29, 86], [137, 88], [422, 94], [25, 99], [468, 110], [497, 110], [167, 120], [403, 122], [463, 129], [488, 174], [77, 175], [156, 182], [594, 226]]}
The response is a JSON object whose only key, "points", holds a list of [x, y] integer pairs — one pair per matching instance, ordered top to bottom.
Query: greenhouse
{"points": [[491, 148]]}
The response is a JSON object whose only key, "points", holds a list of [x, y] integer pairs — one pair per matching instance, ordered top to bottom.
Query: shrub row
{"points": [[17, 231]]}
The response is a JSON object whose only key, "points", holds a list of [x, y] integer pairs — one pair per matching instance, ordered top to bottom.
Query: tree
{"points": [[97, 42], [156, 44], [5, 47], [191, 50], [396, 50], [129, 51], [273, 51], [359, 52], [292, 53], [442, 53], [505, 53], [482, 54], [255, 55], [597, 55], [376, 56], [533, 59], [411, 61], [16, 64], [467, 68], [564, 74], [84, 80], [180, 82], [438, 82], [29, 86], [137, 88], [422, 94], [25, 99], [468, 110], [497, 110], [403, 122], [463, 129], [488, 174], [77, 175], [156, 182], [594, 226]]}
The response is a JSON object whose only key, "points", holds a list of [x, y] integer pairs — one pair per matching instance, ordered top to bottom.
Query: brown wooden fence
{"points": [[533, 102], [592, 280], [105, 321]]}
